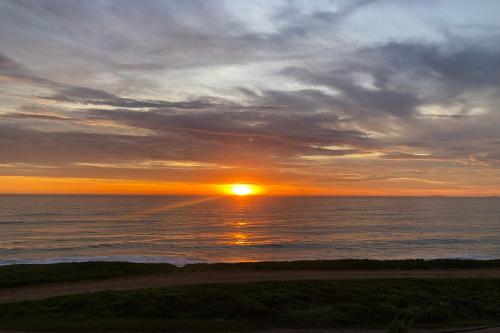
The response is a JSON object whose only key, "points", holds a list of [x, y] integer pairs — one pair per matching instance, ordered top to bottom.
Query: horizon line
{"points": [[253, 195]]}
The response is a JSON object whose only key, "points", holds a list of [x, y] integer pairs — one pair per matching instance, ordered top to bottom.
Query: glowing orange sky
{"points": [[46, 185]]}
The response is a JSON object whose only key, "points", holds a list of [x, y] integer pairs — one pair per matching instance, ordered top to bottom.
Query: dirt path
{"points": [[189, 278]]}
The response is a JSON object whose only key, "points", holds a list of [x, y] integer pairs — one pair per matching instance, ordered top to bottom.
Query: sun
{"points": [[240, 189], [243, 189]]}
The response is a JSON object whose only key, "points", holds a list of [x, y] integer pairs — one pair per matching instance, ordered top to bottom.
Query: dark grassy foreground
{"points": [[348, 264], [19, 275], [259, 305]]}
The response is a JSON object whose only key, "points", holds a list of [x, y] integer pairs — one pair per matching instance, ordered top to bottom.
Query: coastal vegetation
{"points": [[21, 275], [261, 305]]}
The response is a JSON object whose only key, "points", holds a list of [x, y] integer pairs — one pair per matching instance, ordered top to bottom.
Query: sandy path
{"points": [[189, 278]]}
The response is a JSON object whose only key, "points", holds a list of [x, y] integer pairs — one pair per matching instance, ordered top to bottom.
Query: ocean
{"points": [[180, 230]]}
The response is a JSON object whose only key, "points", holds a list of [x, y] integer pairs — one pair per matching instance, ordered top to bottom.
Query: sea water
{"points": [[179, 230]]}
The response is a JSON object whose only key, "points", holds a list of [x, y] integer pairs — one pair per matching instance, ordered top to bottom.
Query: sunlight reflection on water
{"points": [[184, 229]]}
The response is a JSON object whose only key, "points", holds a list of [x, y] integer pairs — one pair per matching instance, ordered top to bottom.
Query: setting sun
{"points": [[243, 189]]}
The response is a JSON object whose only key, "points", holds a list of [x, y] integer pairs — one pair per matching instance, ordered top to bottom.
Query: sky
{"points": [[300, 97]]}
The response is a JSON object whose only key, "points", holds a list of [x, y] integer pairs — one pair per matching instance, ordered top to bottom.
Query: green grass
{"points": [[349, 264], [21, 275], [259, 305]]}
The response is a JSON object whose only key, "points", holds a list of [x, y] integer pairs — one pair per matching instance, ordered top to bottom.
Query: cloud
{"points": [[13, 71], [285, 88], [88, 96], [16, 115]]}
